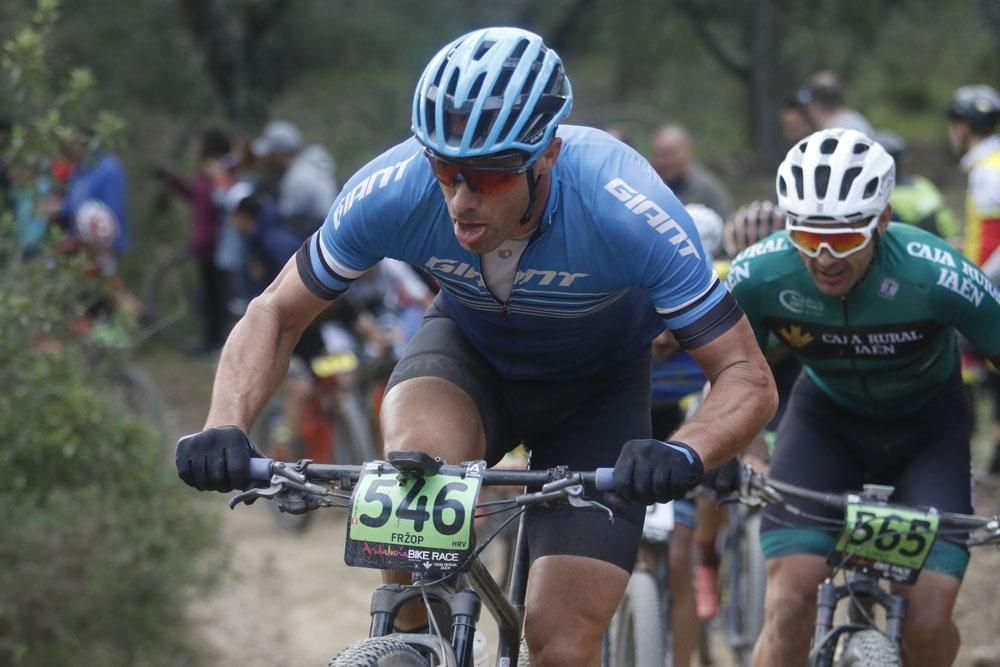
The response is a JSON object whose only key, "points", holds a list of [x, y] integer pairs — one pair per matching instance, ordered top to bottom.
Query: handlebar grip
{"points": [[260, 469], [603, 479]]}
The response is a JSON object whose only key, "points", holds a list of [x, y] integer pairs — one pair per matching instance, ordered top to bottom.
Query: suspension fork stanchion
{"points": [[826, 604], [465, 607], [895, 616]]}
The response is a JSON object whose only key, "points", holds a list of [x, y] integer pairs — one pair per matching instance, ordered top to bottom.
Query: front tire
{"points": [[639, 628], [870, 648], [378, 652]]}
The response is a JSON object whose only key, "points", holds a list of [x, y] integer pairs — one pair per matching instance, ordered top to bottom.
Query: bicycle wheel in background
{"points": [[171, 297], [138, 396], [271, 437], [353, 438], [747, 582], [639, 629]]}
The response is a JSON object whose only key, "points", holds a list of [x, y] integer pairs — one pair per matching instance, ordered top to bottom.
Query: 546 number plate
{"points": [[412, 524]]}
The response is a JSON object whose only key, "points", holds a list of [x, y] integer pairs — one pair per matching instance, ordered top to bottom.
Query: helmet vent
{"points": [[520, 48], [483, 49], [452, 83], [477, 85], [828, 146], [802, 147], [860, 148], [797, 174], [849, 176], [822, 180], [782, 187], [871, 188]]}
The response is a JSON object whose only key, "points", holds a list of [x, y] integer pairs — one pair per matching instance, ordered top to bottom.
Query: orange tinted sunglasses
{"points": [[481, 180], [840, 243]]}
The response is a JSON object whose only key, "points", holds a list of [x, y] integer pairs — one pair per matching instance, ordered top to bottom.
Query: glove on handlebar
{"points": [[216, 459], [649, 471], [724, 479]]}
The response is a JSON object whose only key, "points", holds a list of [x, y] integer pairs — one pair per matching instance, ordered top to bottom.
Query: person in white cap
{"points": [[306, 176]]}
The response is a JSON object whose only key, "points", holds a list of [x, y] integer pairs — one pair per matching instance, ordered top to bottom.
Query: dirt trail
{"points": [[294, 602]]}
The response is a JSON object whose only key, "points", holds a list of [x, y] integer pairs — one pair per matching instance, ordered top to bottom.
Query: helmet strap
{"points": [[532, 183]]}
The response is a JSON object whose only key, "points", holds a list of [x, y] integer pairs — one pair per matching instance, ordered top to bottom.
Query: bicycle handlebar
{"points": [[261, 470], [756, 485]]}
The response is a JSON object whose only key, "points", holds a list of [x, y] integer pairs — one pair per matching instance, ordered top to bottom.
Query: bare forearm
{"points": [[254, 362], [741, 401]]}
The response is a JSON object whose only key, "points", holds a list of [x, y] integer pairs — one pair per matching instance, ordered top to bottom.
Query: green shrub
{"points": [[100, 544]]}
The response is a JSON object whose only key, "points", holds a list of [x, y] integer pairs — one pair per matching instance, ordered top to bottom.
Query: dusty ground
{"points": [[294, 602]]}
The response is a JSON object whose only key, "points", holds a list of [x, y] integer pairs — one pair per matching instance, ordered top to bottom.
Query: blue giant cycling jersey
{"points": [[615, 258]]}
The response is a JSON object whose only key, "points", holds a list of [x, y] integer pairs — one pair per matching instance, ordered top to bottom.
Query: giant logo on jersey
{"points": [[378, 179], [654, 215], [541, 277]]}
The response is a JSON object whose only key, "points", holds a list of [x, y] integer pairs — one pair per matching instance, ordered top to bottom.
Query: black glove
{"points": [[217, 459], [650, 471], [723, 479]]}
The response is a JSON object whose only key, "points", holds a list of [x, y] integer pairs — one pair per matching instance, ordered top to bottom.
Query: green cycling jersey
{"points": [[886, 346]]}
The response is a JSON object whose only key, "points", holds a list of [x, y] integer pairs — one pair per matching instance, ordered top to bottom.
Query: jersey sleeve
{"points": [[359, 227], [658, 246], [965, 298]]}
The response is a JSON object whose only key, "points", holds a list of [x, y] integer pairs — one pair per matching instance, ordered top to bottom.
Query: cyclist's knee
{"points": [[435, 416], [791, 589], [572, 643]]}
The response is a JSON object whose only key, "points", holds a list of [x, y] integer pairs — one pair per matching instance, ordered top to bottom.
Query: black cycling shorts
{"points": [[580, 423], [824, 446]]}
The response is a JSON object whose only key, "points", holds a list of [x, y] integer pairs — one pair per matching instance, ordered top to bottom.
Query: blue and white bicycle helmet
{"points": [[494, 92]]}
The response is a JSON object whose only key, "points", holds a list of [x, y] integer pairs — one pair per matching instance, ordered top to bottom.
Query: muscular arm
{"points": [[255, 359], [742, 398]]}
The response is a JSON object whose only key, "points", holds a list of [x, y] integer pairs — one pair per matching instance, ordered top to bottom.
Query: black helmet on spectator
{"points": [[979, 106]]}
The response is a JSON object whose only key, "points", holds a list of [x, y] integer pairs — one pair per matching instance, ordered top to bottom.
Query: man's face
{"points": [[795, 124], [958, 136], [671, 156], [481, 222], [836, 277]]}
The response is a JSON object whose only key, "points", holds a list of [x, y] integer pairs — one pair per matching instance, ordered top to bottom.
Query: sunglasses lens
{"points": [[445, 172], [481, 181], [488, 182], [840, 244]]}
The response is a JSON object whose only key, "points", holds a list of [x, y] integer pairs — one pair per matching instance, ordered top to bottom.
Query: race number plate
{"points": [[421, 524], [889, 541]]}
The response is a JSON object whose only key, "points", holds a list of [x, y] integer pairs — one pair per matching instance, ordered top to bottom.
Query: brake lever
{"points": [[574, 495], [250, 496]]}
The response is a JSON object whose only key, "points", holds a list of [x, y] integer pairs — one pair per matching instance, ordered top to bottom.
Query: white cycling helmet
{"points": [[835, 177], [96, 224], [710, 228]]}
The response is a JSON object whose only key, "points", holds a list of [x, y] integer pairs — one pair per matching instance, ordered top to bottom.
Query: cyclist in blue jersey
{"points": [[561, 255]]}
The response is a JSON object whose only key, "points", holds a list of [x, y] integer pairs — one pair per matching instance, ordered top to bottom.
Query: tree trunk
{"points": [[765, 84]]}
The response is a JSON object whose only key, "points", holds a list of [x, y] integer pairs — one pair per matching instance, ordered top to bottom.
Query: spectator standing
{"points": [[823, 98], [972, 120], [796, 124], [673, 159], [97, 178], [303, 179], [202, 191], [916, 200]]}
